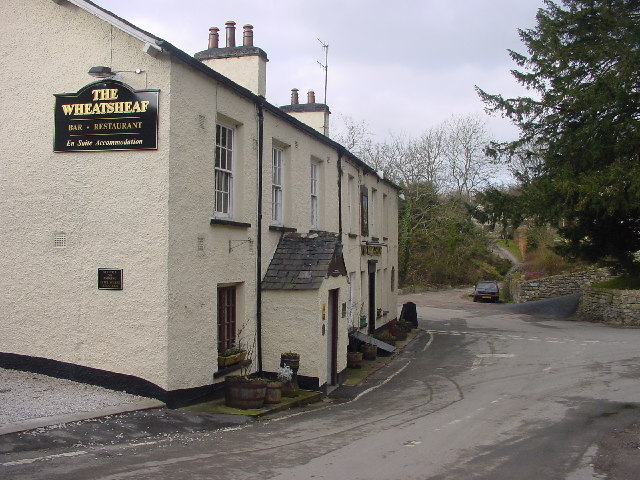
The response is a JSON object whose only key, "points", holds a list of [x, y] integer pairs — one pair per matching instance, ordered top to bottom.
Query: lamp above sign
{"points": [[106, 115]]}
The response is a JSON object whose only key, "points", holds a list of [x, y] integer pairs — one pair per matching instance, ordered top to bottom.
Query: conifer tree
{"points": [[582, 120]]}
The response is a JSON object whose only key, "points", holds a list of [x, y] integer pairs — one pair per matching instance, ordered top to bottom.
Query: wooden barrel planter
{"points": [[399, 334], [369, 352], [354, 359], [291, 360], [244, 393], [274, 393]]}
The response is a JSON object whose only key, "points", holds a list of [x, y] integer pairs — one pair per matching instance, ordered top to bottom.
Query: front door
{"points": [[372, 296], [332, 338]]}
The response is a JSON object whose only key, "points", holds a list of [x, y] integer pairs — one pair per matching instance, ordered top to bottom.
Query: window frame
{"points": [[223, 175], [277, 186], [314, 192], [350, 209], [364, 211], [372, 213], [227, 318]]}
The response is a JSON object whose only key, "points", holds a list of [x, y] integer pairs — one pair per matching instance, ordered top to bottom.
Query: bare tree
{"points": [[352, 134], [426, 158], [469, 168]]}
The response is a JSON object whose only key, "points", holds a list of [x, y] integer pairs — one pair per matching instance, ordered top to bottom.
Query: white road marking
{"points": [[514, 337], [495, 355], [412, 443], [26, 461]]}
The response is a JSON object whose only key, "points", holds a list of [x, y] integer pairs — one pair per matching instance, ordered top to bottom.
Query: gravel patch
{"points": [[26, 396]]}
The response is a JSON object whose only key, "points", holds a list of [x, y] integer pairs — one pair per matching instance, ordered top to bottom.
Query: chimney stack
{"points": [[231, 33], [247, 36], [214, 37], [245, 64], [315, 115]]}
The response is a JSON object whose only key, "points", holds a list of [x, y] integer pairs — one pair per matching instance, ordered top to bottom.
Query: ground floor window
{"points": [[226, 318]]}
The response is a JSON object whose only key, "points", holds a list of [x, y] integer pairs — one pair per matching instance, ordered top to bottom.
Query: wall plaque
{"points": [[106, 115], [109, 279]]}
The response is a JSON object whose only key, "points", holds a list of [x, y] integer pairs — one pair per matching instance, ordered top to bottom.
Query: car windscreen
{"points": [[487, 286]]}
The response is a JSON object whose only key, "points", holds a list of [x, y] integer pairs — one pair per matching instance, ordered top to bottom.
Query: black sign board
{"points": [[106, 115], [109, 279]]}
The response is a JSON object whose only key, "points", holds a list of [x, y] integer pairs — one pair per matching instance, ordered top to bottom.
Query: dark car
{"points": [[486, 290]]}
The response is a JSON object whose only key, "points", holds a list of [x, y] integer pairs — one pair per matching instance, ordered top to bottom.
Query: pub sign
{"points": [[106, 115]]}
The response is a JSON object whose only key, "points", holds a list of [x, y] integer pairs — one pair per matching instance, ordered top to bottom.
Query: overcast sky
{"points": [[402, 66]]}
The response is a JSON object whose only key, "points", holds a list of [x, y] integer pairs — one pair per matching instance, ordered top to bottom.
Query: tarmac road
{"points": [[482, 393]]}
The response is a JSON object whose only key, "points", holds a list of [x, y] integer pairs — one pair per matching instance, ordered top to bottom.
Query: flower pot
{"points": [[399, 334], [389, 340], [369, 352], [354, 359], [291, 360], [225, 361], [244, 393], [274, 393]]}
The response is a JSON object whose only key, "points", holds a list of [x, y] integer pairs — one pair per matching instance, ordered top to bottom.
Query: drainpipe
{"points": [[340, 153], [259, 237]]}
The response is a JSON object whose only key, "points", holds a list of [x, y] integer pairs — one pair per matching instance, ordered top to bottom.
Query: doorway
{"points": [[372, 296], [332, 340]]}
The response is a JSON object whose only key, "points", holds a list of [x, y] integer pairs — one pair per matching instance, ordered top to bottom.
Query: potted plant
{"points": [[404, 325], [395, 330], [386, 337], [369, 352], [231, 356], [354, 357], [291, 359], [286, 377], [244, 392]]}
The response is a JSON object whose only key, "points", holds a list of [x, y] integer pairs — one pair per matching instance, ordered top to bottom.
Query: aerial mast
{"points": [[325, 66]]}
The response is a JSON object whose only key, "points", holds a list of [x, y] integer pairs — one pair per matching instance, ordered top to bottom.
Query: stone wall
{"points": [[555, 286], [617, 307]]}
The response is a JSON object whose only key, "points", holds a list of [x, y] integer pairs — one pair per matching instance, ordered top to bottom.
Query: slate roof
{"points": [[303, 260]]}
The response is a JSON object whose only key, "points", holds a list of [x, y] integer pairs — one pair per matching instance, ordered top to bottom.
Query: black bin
{"points": [[409, 313]]}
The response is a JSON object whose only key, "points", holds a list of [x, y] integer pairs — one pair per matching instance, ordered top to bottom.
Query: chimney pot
{"points": [[231, 33], [247, 36], [214, 37], [294, 96], [311, 96]]}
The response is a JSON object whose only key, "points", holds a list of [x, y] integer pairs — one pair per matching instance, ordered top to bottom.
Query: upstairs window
{"points": [[315, 170], [224, 171], [276, 186], [364, 211], [350, 212], [372, 213], [385, 228]]}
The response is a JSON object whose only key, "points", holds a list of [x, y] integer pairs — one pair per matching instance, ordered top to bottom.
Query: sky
{"points": [[400, 66]]}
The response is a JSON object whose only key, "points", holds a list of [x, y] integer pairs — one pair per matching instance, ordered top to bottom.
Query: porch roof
{"points": [[303, 260]]}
